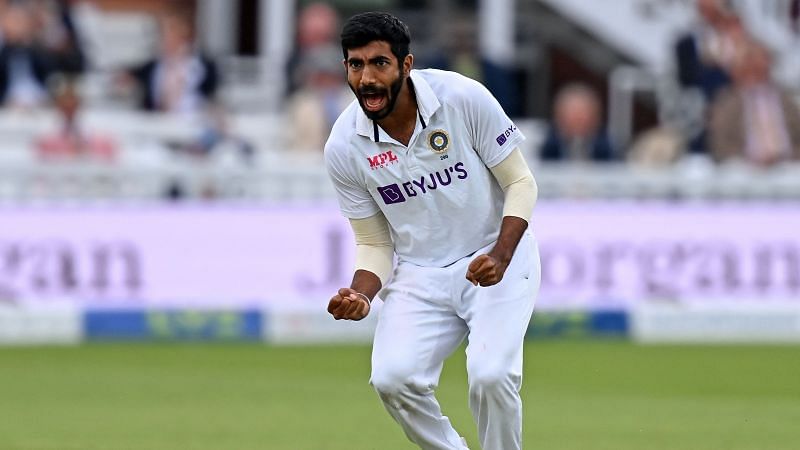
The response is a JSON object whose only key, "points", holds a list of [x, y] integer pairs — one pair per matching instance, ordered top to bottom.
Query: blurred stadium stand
{"points": [[624, 55], [238, 148]]}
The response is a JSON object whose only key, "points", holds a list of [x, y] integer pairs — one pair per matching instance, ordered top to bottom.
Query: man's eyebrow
{"points": [[379, 59]]}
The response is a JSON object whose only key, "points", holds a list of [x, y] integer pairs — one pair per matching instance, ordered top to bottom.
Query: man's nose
{"points": [[368, 76]]}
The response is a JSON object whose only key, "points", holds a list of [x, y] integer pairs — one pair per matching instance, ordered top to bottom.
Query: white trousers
{"points": [[427, 313]]}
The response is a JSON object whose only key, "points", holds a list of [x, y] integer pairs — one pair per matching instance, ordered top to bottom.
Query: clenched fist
{"points": [[486, 270], [349, 304]]}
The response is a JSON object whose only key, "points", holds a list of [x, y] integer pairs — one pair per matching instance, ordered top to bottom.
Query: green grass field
{"points": [[578, 395]]}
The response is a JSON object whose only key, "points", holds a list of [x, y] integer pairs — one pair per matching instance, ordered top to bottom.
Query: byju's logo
{"points": [[503, 138], [391, 194], [394, 194]]}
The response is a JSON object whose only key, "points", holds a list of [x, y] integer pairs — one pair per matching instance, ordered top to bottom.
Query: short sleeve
{"points": [[494, 134], [354, 199]]}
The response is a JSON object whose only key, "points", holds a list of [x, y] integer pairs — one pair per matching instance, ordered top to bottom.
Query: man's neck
{"points": [[401, 122]]}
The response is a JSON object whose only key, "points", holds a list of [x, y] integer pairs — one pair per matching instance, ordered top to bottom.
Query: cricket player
{"points": [[427, 169]]}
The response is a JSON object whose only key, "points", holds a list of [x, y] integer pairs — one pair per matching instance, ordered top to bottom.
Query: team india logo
{"points": [[438, 141]]}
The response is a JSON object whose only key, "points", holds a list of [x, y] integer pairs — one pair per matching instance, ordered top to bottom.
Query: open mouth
{"points": [[374, 102]]}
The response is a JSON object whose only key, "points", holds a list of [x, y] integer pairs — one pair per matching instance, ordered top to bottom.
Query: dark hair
{"points": [[364, 28]]}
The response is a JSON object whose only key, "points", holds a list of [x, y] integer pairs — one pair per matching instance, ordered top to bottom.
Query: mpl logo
{"points": [[503, 138], [382, 160]]}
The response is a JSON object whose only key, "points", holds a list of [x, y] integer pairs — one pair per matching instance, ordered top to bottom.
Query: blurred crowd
{"points": [[43, 65], [746, 116]]}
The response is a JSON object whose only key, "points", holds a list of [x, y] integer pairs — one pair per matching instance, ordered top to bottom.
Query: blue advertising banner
{"points": [[578, 324], [169, 325]]}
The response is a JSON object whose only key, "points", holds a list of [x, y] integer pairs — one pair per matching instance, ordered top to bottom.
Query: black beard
{"points": [[394, 90]]}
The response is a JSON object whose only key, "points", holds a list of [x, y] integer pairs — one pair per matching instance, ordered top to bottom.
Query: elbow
{"points": [[530, 187], [534, 189]]}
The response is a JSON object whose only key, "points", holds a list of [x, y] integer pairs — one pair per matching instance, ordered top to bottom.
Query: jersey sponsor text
{"points": [[501, 140], [382, 160], [392, 194]]}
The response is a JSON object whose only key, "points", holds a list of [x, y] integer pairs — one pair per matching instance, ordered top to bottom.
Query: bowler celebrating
{"points": [[427, 169]]}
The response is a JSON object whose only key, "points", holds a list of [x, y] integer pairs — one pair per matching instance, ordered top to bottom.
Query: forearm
{"points": [[518, 184], [519, 187], [511, 231], [374, 254], [374, 257], [377, 258], [373, 267], [366, 282]]}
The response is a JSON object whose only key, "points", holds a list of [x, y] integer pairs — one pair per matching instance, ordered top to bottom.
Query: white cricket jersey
{"points": [[438, 195]]}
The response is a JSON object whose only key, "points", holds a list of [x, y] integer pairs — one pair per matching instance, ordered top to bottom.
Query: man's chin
{"points": [[376, 115]]}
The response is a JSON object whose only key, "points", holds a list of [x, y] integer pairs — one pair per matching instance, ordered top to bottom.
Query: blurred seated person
{"points": [[317, 26], [58, 35], [455, 48], [704, 54], [704, 57], [24, 65], [178, 79], [316, 104], [755, 120], [576, 133], [219, 136], [70, 142], [658, 147]]}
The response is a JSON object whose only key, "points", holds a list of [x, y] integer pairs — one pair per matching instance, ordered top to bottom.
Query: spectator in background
{"points": [[794, 15], [317, 27], [58, 35], [455, 48], [705, 54], [24, 64], [179, 79], [316, 104], [755, 120], [576, 133], [217, 136], [71, 142], [657, 147]]}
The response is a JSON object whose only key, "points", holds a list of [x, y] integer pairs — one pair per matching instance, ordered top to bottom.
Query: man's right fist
{"points": [[349, 304]]}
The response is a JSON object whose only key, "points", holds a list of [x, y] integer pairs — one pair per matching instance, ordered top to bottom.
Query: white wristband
{"points": [[369, 302]]}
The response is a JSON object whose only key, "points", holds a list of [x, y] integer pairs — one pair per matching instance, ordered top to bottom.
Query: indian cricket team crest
{"points": [[438, 141]]}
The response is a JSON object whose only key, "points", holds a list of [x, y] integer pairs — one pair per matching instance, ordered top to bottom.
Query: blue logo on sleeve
{"points": [[503, 138]]}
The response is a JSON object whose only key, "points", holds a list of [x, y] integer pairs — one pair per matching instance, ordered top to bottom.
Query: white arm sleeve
{"points": [[518, 184], [374, 248]]}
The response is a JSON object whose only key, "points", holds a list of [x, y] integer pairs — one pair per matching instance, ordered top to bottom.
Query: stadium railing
{"points": [[147, 166], [280, 178]]}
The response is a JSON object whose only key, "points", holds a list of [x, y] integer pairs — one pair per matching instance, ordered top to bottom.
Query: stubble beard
{"points": [[394, 91]]}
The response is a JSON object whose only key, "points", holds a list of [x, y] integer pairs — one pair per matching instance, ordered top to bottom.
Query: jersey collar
{"points": [[427, 105]]}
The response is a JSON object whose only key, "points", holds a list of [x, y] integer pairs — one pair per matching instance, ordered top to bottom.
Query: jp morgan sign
{"points": [[618, 253], [594, 254], [48, 268]]}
